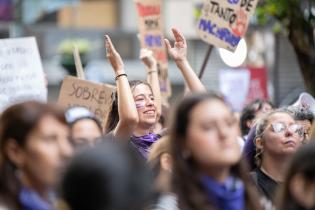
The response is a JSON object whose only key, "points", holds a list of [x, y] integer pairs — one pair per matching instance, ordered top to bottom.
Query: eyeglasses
{"points": [[280, 127]]}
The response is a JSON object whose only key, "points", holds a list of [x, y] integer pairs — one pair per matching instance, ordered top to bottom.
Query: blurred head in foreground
{"points": [[111, 176]]}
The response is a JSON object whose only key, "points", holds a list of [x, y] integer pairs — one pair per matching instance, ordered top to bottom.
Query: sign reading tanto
{"points": [[224, 22]]}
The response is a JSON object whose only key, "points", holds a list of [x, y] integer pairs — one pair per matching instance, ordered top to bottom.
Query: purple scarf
{"points": [[143, 143], [229, 195], [31, 200]]}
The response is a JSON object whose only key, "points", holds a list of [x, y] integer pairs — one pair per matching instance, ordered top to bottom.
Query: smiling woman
{"points": [[136, 106], [141, 137]]}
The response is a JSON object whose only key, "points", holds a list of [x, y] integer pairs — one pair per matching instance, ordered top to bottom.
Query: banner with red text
{"points": [[152, 37]]}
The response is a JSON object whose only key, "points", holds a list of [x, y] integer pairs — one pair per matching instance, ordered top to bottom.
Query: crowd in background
{"points": [[195, 155]]}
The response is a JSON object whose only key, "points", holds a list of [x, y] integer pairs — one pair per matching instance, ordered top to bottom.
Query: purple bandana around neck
{"points": [[143, 143], [229, 195], [31, 200]]}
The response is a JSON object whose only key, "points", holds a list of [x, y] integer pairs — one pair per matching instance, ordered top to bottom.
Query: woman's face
{"points": [[144, 100], [264, 109], [307, 129], [84, 133], [212, 135], [283, 142], [45, 153]]}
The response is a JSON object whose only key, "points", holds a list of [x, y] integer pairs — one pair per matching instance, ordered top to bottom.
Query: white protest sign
{"points": [[224, 22], [21, 72], [234, 85]]}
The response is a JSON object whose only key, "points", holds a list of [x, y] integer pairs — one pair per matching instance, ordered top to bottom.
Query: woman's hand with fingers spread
{"points": [[179, 51], [179, 55], [113, 56], [148, 59]]}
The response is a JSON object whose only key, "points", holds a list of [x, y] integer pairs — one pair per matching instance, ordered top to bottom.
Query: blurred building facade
{"points": [[91, 19]]}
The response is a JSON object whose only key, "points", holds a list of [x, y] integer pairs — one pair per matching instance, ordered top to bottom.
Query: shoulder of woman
{"points": [[3, 207]]}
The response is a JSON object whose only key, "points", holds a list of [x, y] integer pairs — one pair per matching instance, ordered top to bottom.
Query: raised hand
{"points": [[179, 51], [179, 55], [113, 56], [148, 59]]}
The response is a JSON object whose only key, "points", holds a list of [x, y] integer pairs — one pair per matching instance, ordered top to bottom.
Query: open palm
{"points": [[179, 51], [112, 55]]}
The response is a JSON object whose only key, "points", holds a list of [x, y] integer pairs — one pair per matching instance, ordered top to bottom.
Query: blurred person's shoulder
{"points": [[166, 201]]}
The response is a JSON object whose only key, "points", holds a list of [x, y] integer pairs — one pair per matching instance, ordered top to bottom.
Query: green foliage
{"points": [[281, 13], [67, 46]]}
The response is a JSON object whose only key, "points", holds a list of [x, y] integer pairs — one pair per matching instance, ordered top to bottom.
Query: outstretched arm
{"points": [[179, 55], [150, 62], [128, 115]]}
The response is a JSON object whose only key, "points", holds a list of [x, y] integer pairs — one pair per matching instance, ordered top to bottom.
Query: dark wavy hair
{"points": [[249, 113], [113, 117], [17, 122], [303, 164], [186, 181]]}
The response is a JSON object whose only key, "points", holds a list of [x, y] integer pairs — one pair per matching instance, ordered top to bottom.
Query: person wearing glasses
{"points": [[278, 136]]}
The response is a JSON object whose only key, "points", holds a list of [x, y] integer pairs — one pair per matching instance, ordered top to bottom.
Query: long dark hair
{"points": [[249, 113], [113, 117], [16, 123], [303, 164], [186, 180]]}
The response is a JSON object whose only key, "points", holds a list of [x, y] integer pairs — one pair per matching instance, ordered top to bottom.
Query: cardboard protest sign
{"points": [[224, 22], [152, 38], [21, 73], [93, 96]]}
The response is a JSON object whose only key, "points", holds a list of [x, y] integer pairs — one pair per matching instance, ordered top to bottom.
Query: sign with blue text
{"points": [[224, 22], [152, 37]]}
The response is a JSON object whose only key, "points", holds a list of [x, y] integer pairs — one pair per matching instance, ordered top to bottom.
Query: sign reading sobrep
{"points": [[224, 22], [21, 72], [95, 97]]}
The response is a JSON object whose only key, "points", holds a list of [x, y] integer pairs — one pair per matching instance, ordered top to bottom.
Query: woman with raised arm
{"points": [[179, 55], [150, 62], [151, 65], [134, 111], [124, 126]]}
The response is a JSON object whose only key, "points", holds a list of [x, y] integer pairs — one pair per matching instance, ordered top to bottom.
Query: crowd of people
{"points": [[200, 158]]}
